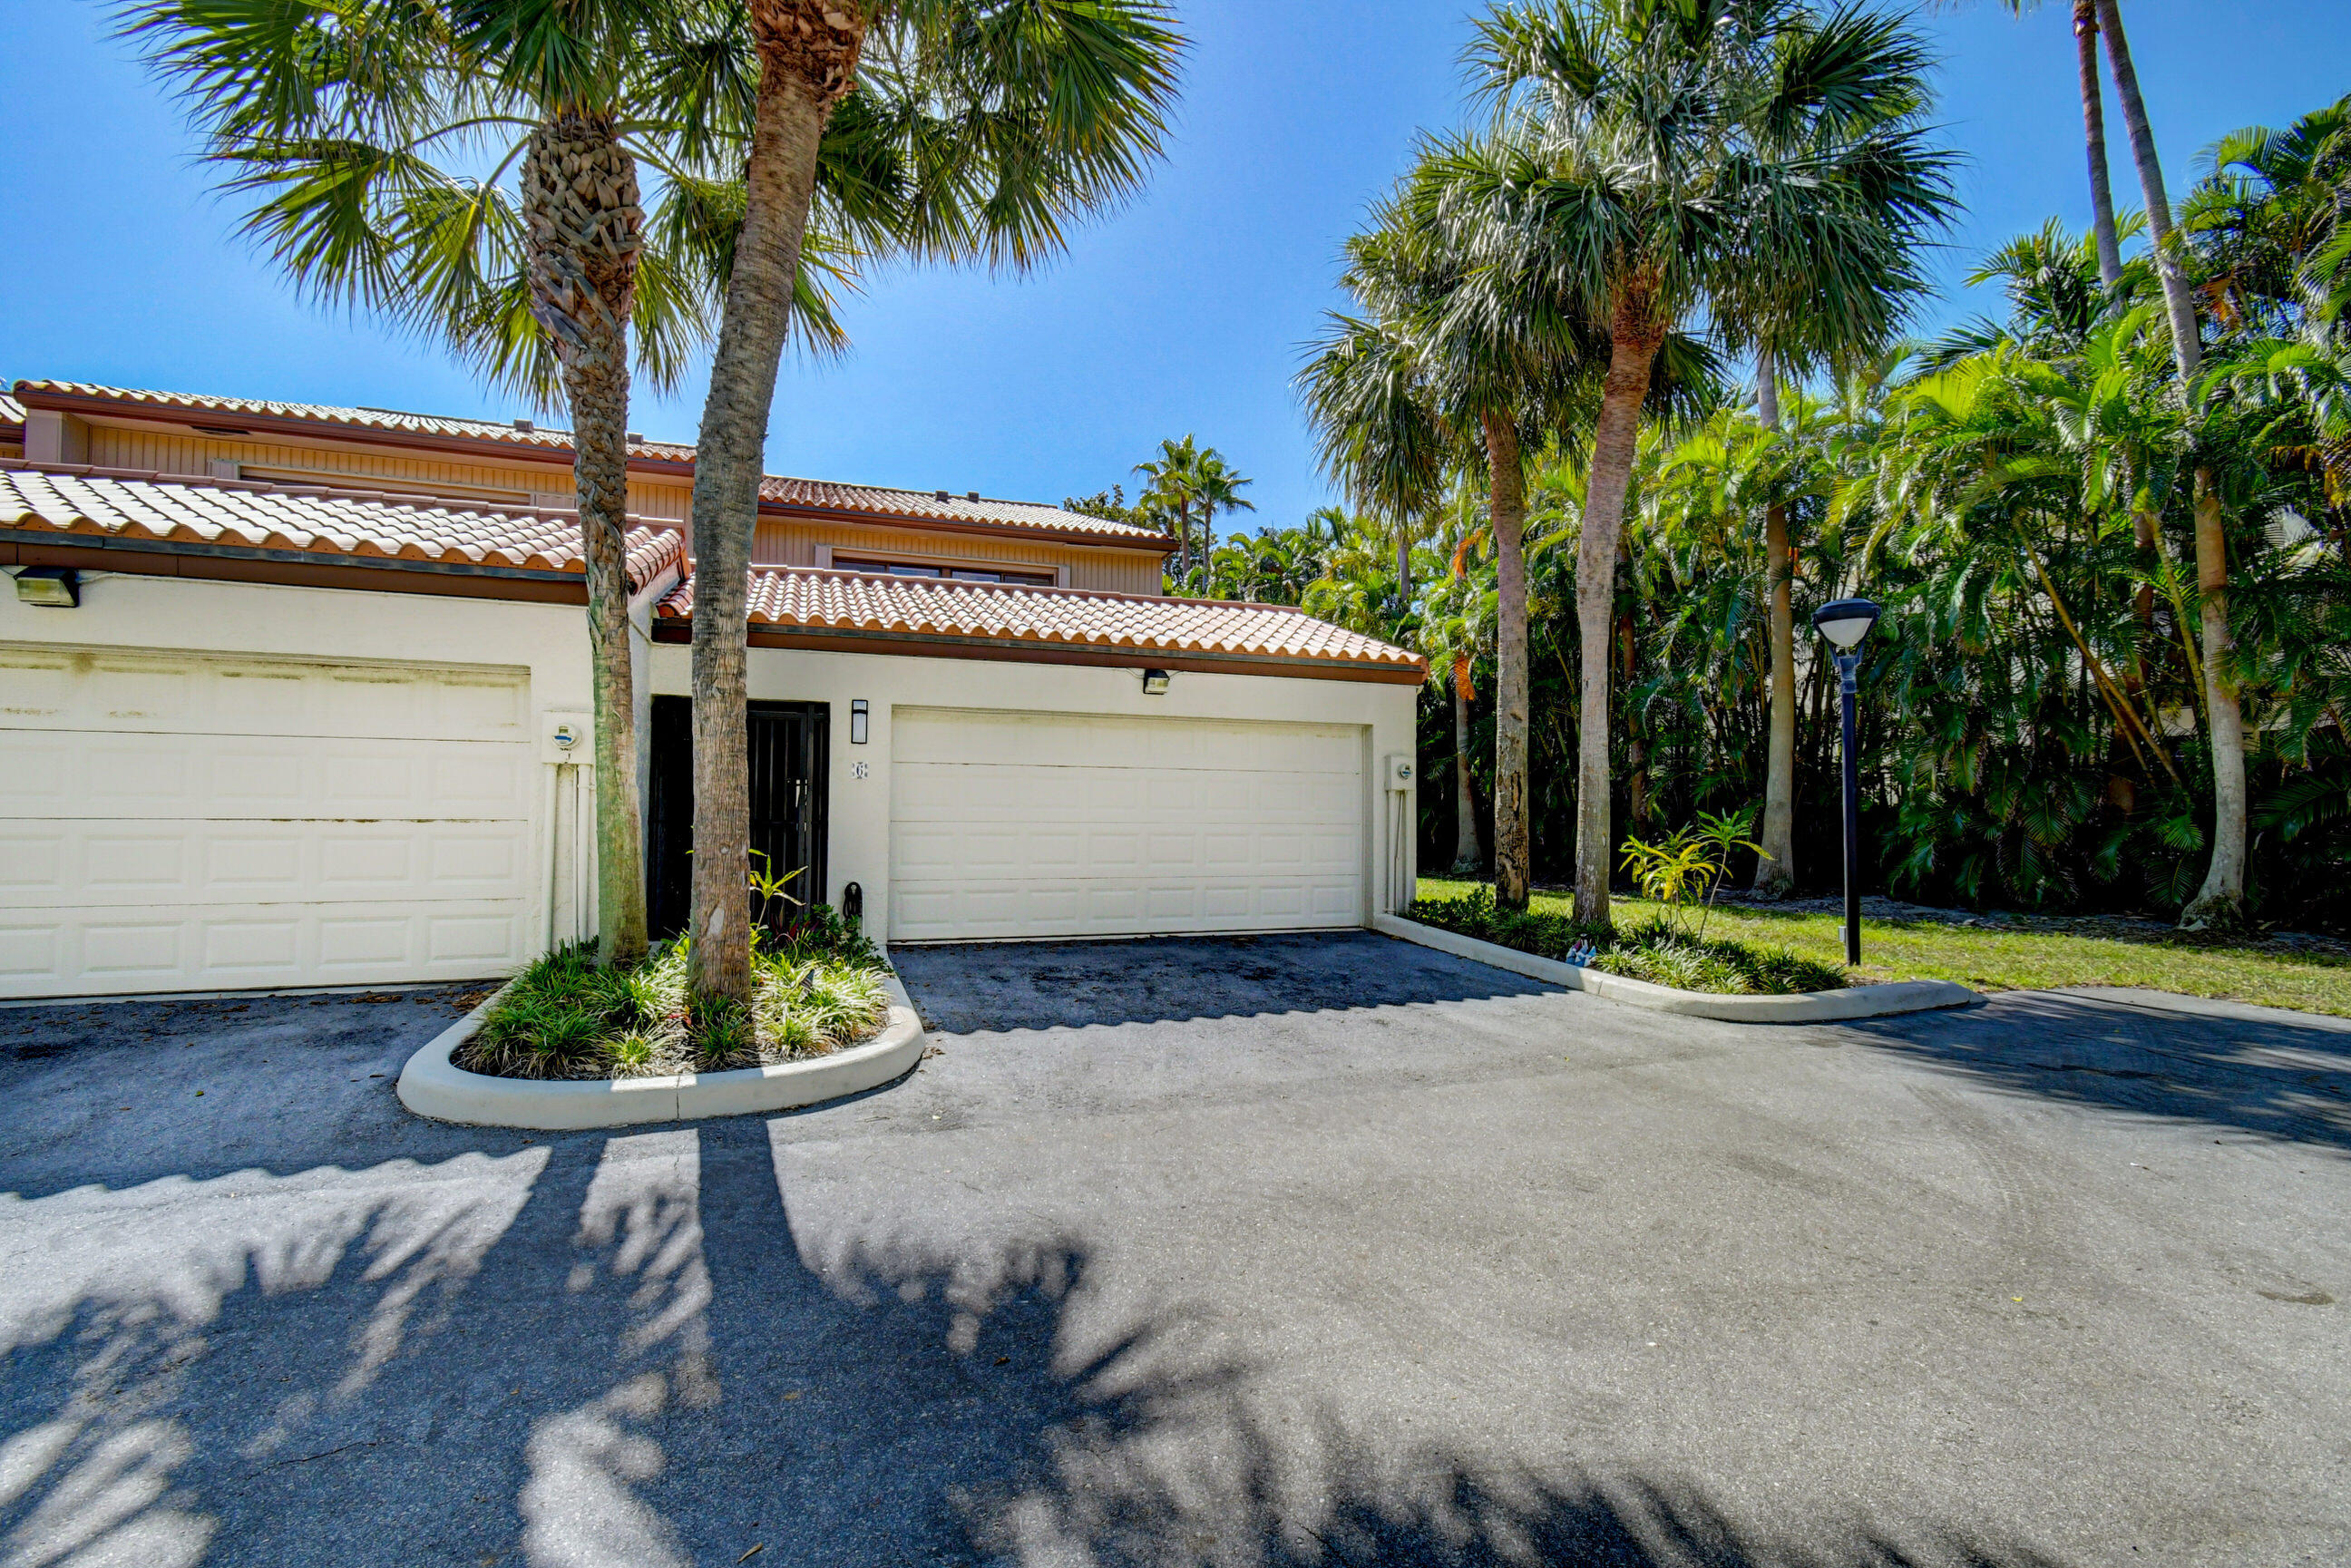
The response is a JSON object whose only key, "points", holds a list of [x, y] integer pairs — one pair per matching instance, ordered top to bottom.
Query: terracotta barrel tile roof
{"points": [[12, 413], [378, 419], [867, 500], [121, 504], [931, 507], [1046, 617]]}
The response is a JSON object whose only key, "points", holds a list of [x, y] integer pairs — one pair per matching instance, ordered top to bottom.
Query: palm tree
{"points": [[1000, 119], [354, 130], [2094, 130], [1660, 157], [1778, 310], [1440, 376], [1174, 478], [1216, 487], [1451, 631], [2219, 903]]}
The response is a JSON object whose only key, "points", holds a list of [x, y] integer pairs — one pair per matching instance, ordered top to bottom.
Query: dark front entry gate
{"points": [[790, 752]]}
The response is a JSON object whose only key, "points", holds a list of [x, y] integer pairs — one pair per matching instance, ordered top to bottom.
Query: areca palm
{"points": [[1000, 122], [1659, 158], [470, 170]]}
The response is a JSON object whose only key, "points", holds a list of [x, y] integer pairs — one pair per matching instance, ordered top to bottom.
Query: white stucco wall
{"points": [[547, 643], [859, 809]]}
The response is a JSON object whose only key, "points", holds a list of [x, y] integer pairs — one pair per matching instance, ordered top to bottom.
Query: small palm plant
{"points": [[1685, 869], [768, 888]]}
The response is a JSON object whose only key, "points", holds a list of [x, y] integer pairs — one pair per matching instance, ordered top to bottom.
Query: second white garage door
{"points": [[1026, 825]]}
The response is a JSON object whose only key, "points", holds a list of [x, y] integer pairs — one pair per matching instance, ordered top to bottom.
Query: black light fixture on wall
{"points": [[53, 587], [1154, 683], [857, 716]]}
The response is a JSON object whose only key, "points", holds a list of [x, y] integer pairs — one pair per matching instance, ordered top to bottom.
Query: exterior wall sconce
{"points": [[55, 586], [1154, 683], [858, 713]]}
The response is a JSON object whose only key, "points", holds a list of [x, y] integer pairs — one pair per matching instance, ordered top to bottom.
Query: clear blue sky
{"points": [[1182, 313]]}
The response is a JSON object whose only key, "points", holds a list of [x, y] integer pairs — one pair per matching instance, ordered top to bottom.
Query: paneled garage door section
{"points": [[180, 822], [1008, 825]]}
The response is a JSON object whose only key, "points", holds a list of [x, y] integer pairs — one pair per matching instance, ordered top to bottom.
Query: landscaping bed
{"points": [[1661, 949], [1993, 952], [816, 990]]}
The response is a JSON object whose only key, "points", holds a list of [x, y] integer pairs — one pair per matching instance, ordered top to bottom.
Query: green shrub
{"points": [[815, 988]]}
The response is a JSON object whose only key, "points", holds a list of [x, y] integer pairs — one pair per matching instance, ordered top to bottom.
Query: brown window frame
{"points": [[949, 571]]}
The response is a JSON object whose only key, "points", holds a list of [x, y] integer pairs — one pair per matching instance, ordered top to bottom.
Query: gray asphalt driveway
{"points": [[1315, 1251]]}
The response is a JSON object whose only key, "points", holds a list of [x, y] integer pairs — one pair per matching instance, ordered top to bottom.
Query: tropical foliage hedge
{"points": [[2018, 494], [1661, 950], [815, 989]]}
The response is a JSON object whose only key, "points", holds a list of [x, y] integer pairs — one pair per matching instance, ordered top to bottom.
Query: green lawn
{"points": [[1996, 960]]}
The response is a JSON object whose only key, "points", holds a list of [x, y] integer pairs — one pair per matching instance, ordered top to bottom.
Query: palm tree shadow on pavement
{"points": [[2260, 1070], [631, 1356]]}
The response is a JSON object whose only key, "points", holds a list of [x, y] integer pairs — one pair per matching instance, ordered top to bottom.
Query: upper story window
{"points": [[958, 573]]}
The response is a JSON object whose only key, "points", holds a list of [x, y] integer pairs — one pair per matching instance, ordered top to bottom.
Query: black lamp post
{"points": [[1845, 623]]}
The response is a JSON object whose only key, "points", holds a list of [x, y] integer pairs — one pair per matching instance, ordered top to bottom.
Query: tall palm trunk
{"points": [[808, 59], [2094, 128], [580, 202], [2110, 266], [1634, 337], [1507, 505], [1469, 858], [1775, 868], [2219, 903]]}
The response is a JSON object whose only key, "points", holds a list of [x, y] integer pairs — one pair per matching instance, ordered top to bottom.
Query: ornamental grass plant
{"points": [[816, 989]]}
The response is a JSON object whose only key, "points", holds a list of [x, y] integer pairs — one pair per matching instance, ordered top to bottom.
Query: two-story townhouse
{"points": [[294, 695]]}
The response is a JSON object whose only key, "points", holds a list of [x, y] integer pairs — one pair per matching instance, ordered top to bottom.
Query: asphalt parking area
{"points": [[1298, 1250]]}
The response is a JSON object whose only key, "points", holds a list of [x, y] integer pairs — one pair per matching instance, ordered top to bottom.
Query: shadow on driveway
{"points": [[964, 988], [2259, 1070], [616, 1353]]}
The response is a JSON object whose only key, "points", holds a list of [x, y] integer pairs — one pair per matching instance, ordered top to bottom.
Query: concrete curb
{"points": [[1807, 1007], [432, 1085]]}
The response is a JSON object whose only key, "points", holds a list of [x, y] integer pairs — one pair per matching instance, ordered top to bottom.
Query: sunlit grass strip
{"points": [[1662, 948], [1993, 959]]}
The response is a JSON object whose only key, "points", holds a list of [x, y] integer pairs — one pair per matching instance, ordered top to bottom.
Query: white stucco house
{"points": [[285, 692]]}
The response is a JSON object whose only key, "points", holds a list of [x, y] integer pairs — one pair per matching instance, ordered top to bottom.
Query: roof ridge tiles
{"points": [[761, 567]]}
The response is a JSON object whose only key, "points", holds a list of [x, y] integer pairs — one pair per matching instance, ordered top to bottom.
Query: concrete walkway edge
{"points": [[1807, 1007]]}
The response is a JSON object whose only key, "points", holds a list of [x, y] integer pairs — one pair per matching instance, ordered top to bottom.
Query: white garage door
{"points": [[176, 822], [1014, 825]]}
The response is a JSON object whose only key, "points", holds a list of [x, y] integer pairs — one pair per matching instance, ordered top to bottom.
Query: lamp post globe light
{"points": [[1845, 623]]}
